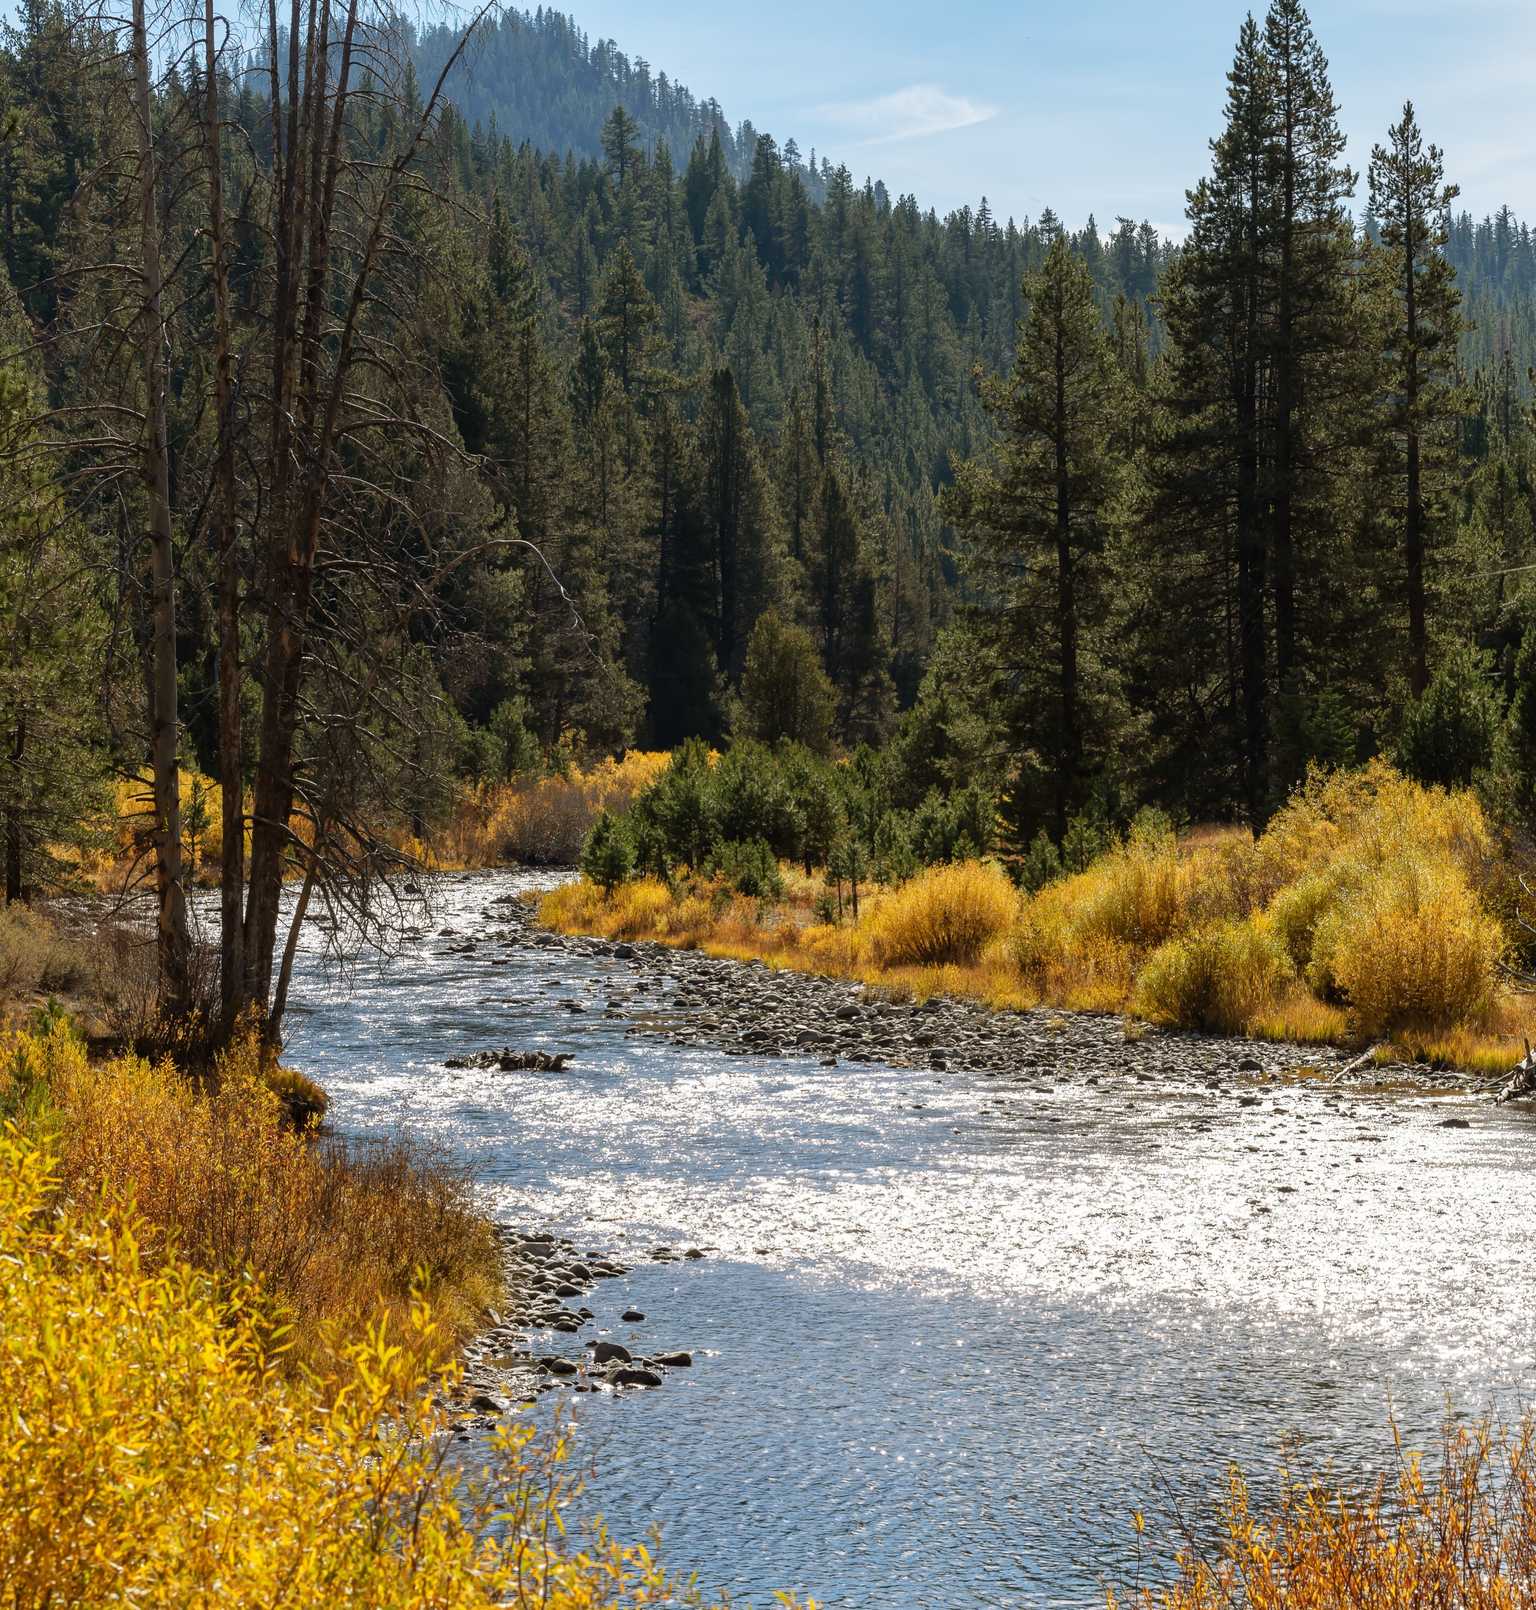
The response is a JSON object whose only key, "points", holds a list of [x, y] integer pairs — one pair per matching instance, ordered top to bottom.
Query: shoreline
{"points": [[784, 1011]]}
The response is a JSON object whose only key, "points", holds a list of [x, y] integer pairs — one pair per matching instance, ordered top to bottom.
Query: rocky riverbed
{"points": [[691, 999], [544, 1274]]}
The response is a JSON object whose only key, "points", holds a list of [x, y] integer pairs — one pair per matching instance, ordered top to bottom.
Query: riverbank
{"points": [[1372, 912], [811, 992]]}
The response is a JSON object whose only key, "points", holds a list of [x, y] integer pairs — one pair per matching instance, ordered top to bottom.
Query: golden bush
{"points": [[948, 914], [1412, 948], [1215, 980], [332, 1233], [151, 1456], [1463, 1539]]}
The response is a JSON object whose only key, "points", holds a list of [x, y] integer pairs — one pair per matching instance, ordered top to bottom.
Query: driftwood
{"points": [[509, 1061], [1355, 1066], [1522, 1080]]}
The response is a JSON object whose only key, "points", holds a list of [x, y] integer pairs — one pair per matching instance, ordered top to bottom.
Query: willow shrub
{"points": [[945, 915], [1410, 949], [1216, 979], [333, 1234], [150, 1454], [1463, 1539]]}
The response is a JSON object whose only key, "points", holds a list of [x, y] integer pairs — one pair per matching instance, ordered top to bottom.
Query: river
{"points": [[949, 1334]]}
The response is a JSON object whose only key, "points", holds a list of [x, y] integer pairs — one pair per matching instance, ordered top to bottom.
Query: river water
{"points": [[947, 1336]]}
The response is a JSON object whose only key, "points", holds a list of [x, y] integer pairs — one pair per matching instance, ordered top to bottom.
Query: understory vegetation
{"points": [[1372, 910], [337, 1237], [159, 1450], [1462, 1538]]}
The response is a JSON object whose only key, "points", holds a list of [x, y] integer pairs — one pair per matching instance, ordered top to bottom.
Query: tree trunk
{"points": [[1413, 517], [1283, 544], [1069, 759], [15, 889], [173, 936], [232, 994]]}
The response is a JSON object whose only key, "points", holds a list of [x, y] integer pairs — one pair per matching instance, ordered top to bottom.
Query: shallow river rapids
{"points": [[954, 1329]]}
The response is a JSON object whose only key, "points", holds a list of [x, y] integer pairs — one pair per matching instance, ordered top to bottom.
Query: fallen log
{"points": [[509, 1061], [1521, 1082]]}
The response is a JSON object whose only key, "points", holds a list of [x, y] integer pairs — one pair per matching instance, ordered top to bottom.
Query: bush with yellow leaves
{"points": [[945, 915], [1215, 980], [334, 1234], [152, 1456], [1464, 1539]]}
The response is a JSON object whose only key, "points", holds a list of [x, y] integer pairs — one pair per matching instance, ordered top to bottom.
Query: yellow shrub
{"points": [[1372, 815], [1137, 893], [1297, 910], [946, 914], [1411, 949], [1215, 980], [333, 1234], [149, 1455], [1465, 1538]]}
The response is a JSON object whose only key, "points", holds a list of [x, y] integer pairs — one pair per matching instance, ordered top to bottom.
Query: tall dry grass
{"points": [[1367, 911], [333, 1235], [1462, 1539]]}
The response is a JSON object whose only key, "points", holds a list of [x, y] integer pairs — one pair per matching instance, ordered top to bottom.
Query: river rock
{"points": [[632, 1316], [608, 1352], [673, 1360], [636, 1375]]}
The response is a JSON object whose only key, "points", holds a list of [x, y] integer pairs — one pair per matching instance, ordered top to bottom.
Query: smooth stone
{"points": [[632, 1316], [607, 1352], [679, 1360], [636, 1375]]}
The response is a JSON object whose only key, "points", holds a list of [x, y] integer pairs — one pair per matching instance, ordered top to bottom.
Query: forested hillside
{"points": [[378, 446]]}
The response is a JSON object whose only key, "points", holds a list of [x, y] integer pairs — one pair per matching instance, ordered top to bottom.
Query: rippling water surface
{"points": [[951, 1333]]}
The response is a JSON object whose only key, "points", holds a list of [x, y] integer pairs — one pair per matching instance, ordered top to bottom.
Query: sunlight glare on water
{"points": [[942, 1351]]}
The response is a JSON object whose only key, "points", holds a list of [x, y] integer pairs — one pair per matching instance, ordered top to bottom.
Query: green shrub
{"points": [[1448, 735], [608, 856], [750, 868]]}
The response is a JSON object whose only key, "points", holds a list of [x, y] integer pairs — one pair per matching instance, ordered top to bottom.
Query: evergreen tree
{"points": [[1421, 321], [1036, 514], [785, 694]]}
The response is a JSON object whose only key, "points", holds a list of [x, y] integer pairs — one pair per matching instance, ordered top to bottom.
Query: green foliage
{"points": [[785, 694], [1448, 736], [608, 855], [1040, 864], [749, 867]]}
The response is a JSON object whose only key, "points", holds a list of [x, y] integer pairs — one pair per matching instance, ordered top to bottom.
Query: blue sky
{"points": [[1088, 105]]}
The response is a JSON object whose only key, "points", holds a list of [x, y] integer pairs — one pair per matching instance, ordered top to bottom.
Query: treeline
{"points": [[352, 450], [1303, 534]]}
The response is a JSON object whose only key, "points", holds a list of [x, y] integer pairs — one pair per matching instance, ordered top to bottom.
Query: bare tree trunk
{"points": [[15, 889], [174, 939], [232, 994]]}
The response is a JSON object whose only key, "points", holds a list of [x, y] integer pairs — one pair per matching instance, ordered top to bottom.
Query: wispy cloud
{"points": [[907, 114]]}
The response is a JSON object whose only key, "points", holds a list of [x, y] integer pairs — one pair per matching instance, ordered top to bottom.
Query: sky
{"points": [[1101, 106]]}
